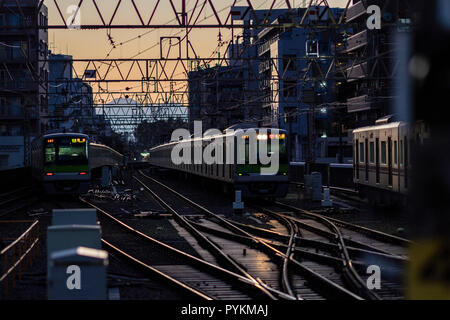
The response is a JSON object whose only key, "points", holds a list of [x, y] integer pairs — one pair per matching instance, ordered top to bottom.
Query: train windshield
{"points": [[280, 149], [66, 150]]}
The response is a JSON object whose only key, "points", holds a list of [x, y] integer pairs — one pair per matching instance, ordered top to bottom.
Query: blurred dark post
{"points": [[429, 67], [309, 97]]}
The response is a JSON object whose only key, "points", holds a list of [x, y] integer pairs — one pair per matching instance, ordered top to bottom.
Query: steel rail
{"points": [[344, 190], [9, 193], [347, 194], [14, 196], [370, 232], [331, 235], [382, 236], [249, 241], [263, 244], [317, 244], [290, 249], [218, 253], [198, 261], [351, 274], [179, 284]]}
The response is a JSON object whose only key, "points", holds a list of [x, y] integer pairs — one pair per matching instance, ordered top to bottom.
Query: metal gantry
{"points": [[123, 89]]}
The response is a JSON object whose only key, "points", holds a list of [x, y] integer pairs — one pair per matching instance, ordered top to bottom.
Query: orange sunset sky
{"points": [[95, 43]]}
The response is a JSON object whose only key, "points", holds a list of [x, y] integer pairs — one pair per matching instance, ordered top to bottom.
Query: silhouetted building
{"points": [[23, 80]]}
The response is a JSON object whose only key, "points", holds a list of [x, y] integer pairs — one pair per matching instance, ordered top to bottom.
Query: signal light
{"points": [[83, 173], [49, 174]]}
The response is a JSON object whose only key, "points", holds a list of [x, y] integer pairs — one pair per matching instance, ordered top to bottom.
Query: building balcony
{"points": [[360, 9], [355, 11], [357, 41], [262, 49], [16, 60], [264, 66], [357, 72], [265, 84], [18, 85], [267, 102], [358, 104], [11, 116]]}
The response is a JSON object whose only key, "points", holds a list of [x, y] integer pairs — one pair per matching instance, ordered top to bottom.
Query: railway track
{"points": [[348, 191], [350, 196], [15, 200], [369, 246], [309, 256], [192, 274], [298, 279]]}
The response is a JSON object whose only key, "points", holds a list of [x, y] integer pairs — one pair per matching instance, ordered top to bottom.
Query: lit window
{"points": [[361, 152], [372, 152], [383, 152], [395, 153]]}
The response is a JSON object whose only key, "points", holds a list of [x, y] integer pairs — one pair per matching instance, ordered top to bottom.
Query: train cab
{"points": [[61, 162]]}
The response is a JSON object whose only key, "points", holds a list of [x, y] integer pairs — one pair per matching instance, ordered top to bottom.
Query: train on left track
{"points": [[64, 163]]}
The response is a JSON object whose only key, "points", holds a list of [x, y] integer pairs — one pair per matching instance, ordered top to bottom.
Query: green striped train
{"points": [[64, 163], [234, 174]]}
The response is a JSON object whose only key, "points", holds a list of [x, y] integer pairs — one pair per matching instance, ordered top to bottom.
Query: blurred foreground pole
{"points": [[429, 68]]}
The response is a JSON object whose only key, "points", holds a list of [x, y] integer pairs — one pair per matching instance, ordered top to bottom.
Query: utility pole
{"points": [[310, 98], [289, 118], [341, 149], [429, 189]]}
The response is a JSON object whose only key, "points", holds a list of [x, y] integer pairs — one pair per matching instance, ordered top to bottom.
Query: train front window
{"points": [[280, 149], [66, 150], [270, 150], [283, 151], [50, 152]]}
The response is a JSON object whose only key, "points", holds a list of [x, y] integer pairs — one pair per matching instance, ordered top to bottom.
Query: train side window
{"points": [[361, 152], [372, 152], [383, 152], [401, 152], [395, 153]]}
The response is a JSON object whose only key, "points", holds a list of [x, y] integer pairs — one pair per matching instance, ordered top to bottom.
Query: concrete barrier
{"points": [[74, 216], [78, 274]]}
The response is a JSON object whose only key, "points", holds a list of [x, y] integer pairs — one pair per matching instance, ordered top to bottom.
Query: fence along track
{"points": [[12, 257]]}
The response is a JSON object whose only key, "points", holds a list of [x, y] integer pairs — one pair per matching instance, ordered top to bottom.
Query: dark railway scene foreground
{"points": [[246, 151]]}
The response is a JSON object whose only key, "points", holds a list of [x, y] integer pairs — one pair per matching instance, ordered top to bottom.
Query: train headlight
{"points": [[280, 136], [262, 137]]}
